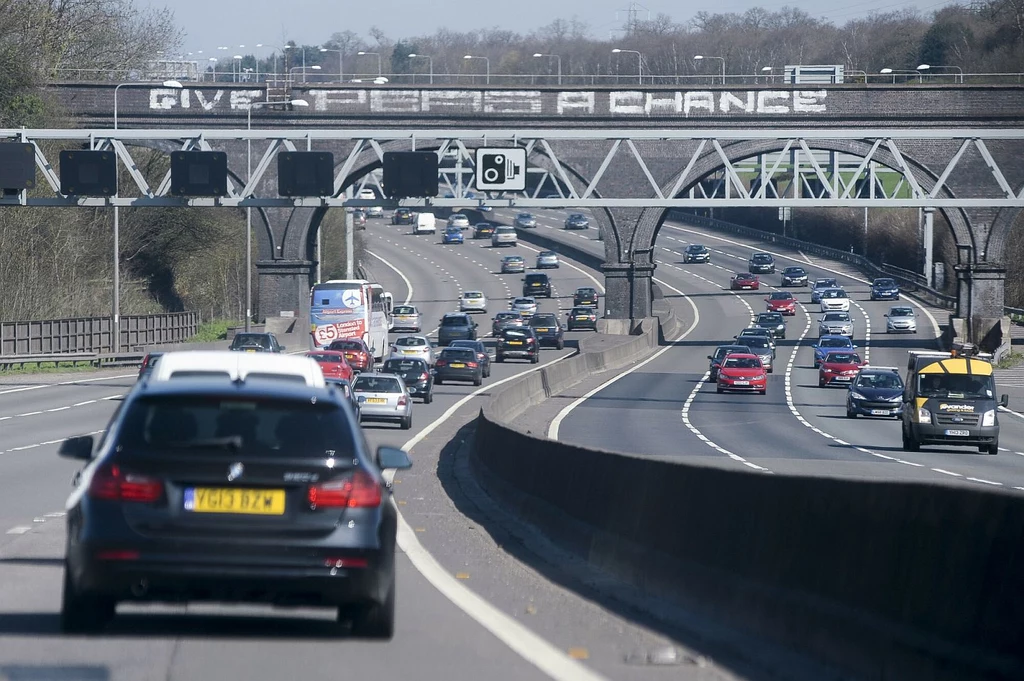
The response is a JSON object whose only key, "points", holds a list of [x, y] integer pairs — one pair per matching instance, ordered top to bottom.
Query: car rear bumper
{"points": [[585, 324], [548, 341], [523, 353], [449, 374], [373, 412], [277, 579]]}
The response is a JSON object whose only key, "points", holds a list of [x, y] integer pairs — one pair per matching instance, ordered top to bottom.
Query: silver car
{"points": [[375, 212], [458, 220], [525, 221], [504, 236], [546, 259], [513, 264], [525, 306], [406, 318], [901, 319], [835, 324], [760, 346], [412, 347], [383, 397]]}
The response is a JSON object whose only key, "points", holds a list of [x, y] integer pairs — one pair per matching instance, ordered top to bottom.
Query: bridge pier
{"points": [[284, 287], [628, 296], [979, 317]]}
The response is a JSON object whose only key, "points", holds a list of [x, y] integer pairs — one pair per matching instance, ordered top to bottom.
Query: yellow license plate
{"points": [[535, 284], [582, 319], [542, 328], [515, 342], [250, 350], [410, 352], [458, 365], [376, 400], [228, 500]]}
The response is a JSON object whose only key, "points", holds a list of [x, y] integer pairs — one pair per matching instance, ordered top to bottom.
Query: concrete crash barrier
{"points": [[882, 580]]}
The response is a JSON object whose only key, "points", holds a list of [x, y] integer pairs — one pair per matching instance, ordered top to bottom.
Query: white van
{"points": [[426, 223], [237, 366]]}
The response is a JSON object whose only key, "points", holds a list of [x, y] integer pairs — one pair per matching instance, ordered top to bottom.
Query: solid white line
{"points": [[408, 284], [55, 385], [29, 413], [557, 421], [945, 472], [986, 482], [21, 529], [528, 645]]}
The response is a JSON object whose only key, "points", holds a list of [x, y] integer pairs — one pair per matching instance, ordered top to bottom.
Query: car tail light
{"points": [[529, 340], [440, 363], [472, 365], [424, 376], [402, 401], [115, 484], [358, 490], [117, 554], [345, 562]]}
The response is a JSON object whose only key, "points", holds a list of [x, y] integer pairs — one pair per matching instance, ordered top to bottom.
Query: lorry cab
{"points": [[950, 399]]}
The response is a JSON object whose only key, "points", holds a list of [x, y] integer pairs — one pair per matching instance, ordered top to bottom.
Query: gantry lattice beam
{"points": [[995, 179]]}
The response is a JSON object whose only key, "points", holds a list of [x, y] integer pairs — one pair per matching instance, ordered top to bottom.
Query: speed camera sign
{"points": [[501, 169]]}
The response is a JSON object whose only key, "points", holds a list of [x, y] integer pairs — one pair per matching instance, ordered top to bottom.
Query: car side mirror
{"points": [[475, 325], [283, 347], [711, 358], [1004, 400], [78, 448], [393, 457]]}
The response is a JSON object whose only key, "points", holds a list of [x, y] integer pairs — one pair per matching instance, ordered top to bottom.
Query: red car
{"points": [[744, 281], [782, 301], [356, 353], [332, 363], [839, 368], [742, 372]]}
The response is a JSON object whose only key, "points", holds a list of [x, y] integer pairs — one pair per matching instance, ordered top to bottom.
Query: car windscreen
{"points": [[761, 258], [794, 271], [885, 283], [834, 293], [781, 296], [524, 301], [404, 309], [901, 312], [505, 315], [837, 317], [769, 318], [543, 320], [454, 321], [515, 334], [250, 339], [411, 342], [758, 343], [833, 343], [345, 345], [472, 345], [724, 350], [458, 354], [326, 356], [842, 358], [741, 363], [405, 366], [880, 381], [377, 384], [956, 386], [251, 426]]}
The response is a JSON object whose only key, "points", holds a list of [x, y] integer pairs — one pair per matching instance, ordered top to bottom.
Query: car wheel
{"points": [[560, 345], [499, 359], [535, 359], [439, 381], [821, 382], [718, 389], [763, 392], [428, 398], [850, 414], [407, 422], [909, 443], [992, 449], [83, 613], [372, 620]]}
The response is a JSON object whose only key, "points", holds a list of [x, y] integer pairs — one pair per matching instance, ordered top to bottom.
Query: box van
{"points": [[426, 223], [237, 366], [950, 399]]}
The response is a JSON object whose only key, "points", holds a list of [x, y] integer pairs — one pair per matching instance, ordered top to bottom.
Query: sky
{"points": [[210, 24]]}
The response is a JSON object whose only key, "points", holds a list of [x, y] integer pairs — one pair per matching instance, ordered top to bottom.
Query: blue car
{"points": [[452, 235], [885, 288], [830, 343], [876, 391]]}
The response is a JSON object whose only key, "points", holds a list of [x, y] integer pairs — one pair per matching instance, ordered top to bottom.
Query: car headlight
{"points": [[759, 377], [856, 395], [894, 398], [923, 415], [989, 418]]}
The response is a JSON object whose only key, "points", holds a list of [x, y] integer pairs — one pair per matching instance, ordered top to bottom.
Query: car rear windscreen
{"points": [[251, 426]]}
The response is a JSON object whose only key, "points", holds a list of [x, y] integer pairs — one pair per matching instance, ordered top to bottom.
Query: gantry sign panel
{"points": [[767, 168]]}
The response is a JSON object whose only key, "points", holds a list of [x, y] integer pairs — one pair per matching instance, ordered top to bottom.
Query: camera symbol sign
{"points": [[501, 169]]}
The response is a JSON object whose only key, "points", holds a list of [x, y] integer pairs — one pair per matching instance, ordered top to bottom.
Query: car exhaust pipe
{"points": [[140, 588]]}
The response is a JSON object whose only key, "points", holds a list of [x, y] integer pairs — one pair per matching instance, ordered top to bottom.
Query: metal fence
{"points": [[94, 334]]}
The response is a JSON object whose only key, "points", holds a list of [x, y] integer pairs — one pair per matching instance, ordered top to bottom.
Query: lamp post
{"points": [[258, 46], [292, 47], [376, 54], [552, 56], [699, 57], [429, 59], [639, 62], [213, 63], [341, 63], [487, 64], [236, 66], [314, 67], [769, 71], [887, 71], [960, 71], [248, 209], [115, 331]]}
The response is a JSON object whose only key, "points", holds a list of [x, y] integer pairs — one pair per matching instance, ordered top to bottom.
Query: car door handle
{"points": [[76, 478]]}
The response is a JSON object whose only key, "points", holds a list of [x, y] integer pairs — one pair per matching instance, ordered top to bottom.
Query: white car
{"points": [[375, 212], [458, 220], [504, 236], [546, 260], [834, 299], [473, 301], [525, 306], [406, 318], [901, 319], [412, 347], [236, 366], [383, 397]]}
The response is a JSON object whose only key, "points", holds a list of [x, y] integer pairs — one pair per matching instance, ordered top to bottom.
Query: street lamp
{"points": [[376, 54], [553, 56], [698, 57], [213, 61], [639, 62], [341, 63], [431, 64], [487, 64], [236, 66], [770, 71], [895, 71], [960, 71], [248, 209], [115, 331]]}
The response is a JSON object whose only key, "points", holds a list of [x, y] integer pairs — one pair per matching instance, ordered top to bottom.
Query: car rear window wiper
{"points": [[227, 442]]}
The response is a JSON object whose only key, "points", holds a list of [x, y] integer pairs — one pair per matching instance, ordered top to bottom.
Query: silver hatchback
{"points": [[504, 236], [405, 318], [901, 319], [835, 324], [383, 397]]}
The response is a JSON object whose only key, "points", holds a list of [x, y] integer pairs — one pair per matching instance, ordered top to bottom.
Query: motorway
{"points": [[667, 407], [467, 584]]}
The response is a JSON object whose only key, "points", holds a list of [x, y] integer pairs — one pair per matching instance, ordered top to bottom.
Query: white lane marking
{"points": [[802, 255], [408, 284], [913, 301], [55, 385], [82, 404], [1007, 410], [50, 411], [28, 413], [685, 416], [557, 421], [48, 442], [945, 472], [985, 482], [20, 529], [528, 645]]}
